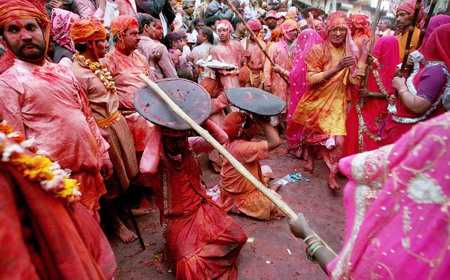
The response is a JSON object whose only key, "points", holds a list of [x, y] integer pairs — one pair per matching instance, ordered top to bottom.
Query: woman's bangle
{"points": [[309, 237], [312, 249], [315, 250]]}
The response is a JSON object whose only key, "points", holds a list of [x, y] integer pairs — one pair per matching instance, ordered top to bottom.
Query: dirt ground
{"points": [[271, 252]]}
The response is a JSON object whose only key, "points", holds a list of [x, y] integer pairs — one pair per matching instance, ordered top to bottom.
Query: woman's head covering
{"points": [[336, 19], [339, 19], [61, 22], [435, 22], [122, 23], [288, 25], [359, 25], [86, 30], [437, 46], [386, 51]]}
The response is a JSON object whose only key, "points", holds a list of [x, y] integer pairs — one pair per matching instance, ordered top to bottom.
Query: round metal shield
{"points": [[189, 96], [256, 101]]}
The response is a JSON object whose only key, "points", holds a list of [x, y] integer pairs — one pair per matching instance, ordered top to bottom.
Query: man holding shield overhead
{"points": [[238, 195], [202, 241]]}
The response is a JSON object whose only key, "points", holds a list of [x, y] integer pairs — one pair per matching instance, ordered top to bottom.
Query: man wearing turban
{"points": [[404, 21], [90, 41], [126, 63], [44, 101], [321, 112]]}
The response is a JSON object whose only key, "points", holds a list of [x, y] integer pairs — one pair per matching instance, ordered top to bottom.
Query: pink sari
{"points": [[297, 81], [397, 208]]}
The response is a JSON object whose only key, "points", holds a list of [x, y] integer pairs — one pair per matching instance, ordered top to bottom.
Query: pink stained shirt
{"points": [[231, 53], [282, 55], [161, 67], [125, 70], [47, 103]]}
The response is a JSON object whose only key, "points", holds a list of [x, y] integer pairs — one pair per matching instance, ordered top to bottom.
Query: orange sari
{"points": [[322, 109]]}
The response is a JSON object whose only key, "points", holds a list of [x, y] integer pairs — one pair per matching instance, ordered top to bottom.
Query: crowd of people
{"points": [[78, 158]]}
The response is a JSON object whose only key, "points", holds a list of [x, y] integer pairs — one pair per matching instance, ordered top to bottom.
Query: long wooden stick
{"points": [[427, 21], [412, 27], [252, 34], [372, 42], [234, 162], [283, 206]]}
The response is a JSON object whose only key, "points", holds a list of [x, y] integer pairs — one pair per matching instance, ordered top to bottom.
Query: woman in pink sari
{"points": [[297, 81], [397, 210]]}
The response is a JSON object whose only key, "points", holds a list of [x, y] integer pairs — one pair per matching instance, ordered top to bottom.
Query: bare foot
{"points": [[215, 166], [309, 166], [332, 183], [137, 212], [126, 235]]}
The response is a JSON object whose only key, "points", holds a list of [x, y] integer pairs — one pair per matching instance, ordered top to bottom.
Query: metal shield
{"points": [[189, 96], [256, 101]]}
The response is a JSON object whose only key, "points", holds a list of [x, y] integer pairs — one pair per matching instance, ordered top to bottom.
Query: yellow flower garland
{"points": [[36, 168]]}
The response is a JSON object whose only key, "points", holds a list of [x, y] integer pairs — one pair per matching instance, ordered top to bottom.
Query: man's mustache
{"points": [[31, 45]]}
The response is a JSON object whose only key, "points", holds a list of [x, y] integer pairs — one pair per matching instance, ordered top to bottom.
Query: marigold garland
{"points": [[99, 70], [34, 167]]}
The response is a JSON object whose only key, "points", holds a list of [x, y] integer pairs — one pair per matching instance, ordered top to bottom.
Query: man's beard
{"points": [[37, 55]]}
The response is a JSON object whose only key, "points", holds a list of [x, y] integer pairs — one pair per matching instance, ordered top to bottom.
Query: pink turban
{"points": [[409, 6], [337, 19], [223, 23], [255, 25], [289, 25], [359, 25]]}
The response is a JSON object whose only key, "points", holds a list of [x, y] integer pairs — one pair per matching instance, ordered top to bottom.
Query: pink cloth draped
{"points": [[61, 22], [435, 22], [437, 47], [297, 81], [397, 208], [44, 238]]}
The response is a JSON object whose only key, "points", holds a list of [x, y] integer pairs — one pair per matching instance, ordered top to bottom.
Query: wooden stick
{"points": [[427, 21], [412, 27], [252, 34], [372, 43], [234, 162]]}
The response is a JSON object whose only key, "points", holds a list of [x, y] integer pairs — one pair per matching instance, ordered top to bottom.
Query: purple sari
{"points": [[297, 81], [398, 208]]}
